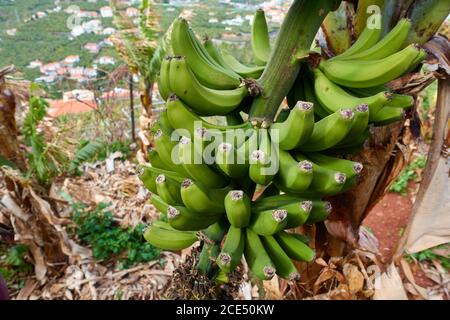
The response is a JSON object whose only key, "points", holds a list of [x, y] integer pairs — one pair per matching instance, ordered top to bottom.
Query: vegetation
{"points": [[408, 174], [98, 229], [430, 255], [14, 262]]}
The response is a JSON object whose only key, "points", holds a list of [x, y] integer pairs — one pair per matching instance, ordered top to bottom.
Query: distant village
{"points": [[82, 100]]}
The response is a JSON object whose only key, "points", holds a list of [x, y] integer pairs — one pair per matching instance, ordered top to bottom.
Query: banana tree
{"points": [[140, 49], [361, 69]]}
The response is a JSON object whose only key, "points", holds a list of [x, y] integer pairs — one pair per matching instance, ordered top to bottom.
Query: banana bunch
{"points": [[359, 76], [209, 160]]}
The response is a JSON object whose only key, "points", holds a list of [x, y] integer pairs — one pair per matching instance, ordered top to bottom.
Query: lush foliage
{"points": [[408, 174], [107, 239], [430, 255], [14, 262]]}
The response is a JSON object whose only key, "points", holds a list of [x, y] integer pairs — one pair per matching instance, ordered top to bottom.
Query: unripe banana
{"points": [[260, 38], [366, 40], [184, 43], [389, 45], [215, 53], [241, 69], [363, 74], [163, 83], [333, 97], [205, 101], [401, 101], [320, 111], [388, 115], [181, 117], [360, 124], [298, 127], [329, 131], [166, 149], [155, 160], [227, 160], [263, 160], [193, 164], [148, 176], [293, 176], [325, 181], [169, 190], [199, 198], [278, 201], [238, 208], [320, 211], [297, 213], [184, 219], [269, 222], [216, 231], [163, 236], [294, 247], [232, 250], [257, 258], [283, 264]]}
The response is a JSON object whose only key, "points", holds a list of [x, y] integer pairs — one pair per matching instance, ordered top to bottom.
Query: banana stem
{"points": [[293, 43]]}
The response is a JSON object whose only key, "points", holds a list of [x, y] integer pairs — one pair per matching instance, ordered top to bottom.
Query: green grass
{"points": [[409, 174], [108, 240], [429, 255], [13, 262]]}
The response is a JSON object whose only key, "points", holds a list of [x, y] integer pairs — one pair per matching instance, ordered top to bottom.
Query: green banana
{"points": [[260, 38], [366, 40], [393, 42], [215, 53], [241, 69], [210, 74], [363, 74], [163, 83], [333, 97], [396, 100], [205, 101], [401, 101], [319, 110], [388, 115], [181, 117], [360, 124], [297, 128], [329, 131], [166, 149], [227, 160], [263, 160], [156, 161], [350, 168], [197, 169], [149, 174], [293, 176], [325, 181], [169, 190], [198, 198], [275, 202], [238, 208], [320, 211], [297, 213], [184, 219], [268, 222], [216, 231], [162, 235], [294, 247], [232, 250], [257, 258], [283, 264]]}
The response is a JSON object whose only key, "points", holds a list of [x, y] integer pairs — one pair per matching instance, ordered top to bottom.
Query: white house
{"points": [[106, 12], [132, 12], [213, 20], [93, 26], [77, 31], [108, 31], [11, 32], [93, 48], [71, 60], [106, 60], [35, 64], [50, 68], [81, 95]]}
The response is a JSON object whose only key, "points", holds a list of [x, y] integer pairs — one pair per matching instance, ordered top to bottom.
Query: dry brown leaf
{"points": [[354, 277]]}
